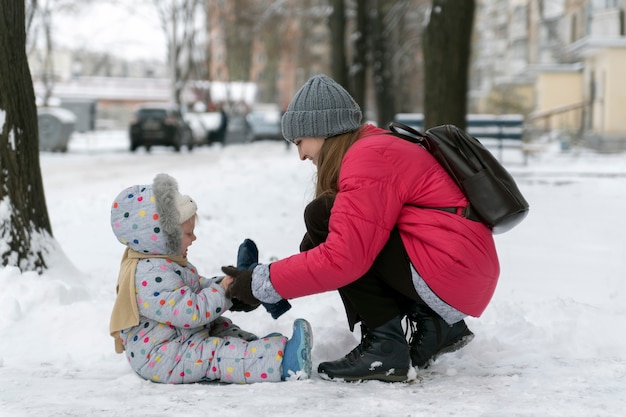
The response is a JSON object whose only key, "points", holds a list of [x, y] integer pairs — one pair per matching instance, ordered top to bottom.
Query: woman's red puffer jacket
{"points": [[382, 181]]}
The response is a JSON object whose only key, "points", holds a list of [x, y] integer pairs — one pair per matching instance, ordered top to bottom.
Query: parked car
{"points": [[215, 124], [265, 124], [159, 125], [207, 127], [238, 129], [199, 132]]}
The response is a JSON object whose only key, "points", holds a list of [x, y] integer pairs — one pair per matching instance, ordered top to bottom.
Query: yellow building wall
{"points": [[558, 89], [526, 93], [505, 99], [559, 100], [609, 106]]}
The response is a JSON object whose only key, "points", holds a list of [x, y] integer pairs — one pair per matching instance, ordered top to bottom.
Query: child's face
{"points": [[188, 236]]}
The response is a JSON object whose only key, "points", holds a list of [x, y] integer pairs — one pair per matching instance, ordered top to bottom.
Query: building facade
{"points": [[562, 62]]}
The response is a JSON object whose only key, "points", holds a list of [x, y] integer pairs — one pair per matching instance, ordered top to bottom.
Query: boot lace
{"points": [[366, 343]]}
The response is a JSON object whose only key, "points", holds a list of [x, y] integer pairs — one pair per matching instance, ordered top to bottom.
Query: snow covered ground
{"points": [[551, 343]]}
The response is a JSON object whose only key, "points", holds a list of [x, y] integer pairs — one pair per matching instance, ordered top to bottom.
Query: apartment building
{"points": [[560, 62]]}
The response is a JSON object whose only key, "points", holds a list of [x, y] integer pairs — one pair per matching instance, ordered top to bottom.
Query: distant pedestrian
{"points": [[221, 131]]}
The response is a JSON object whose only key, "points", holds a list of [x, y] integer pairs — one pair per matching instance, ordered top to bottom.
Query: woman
{"points": [[370, 237]]}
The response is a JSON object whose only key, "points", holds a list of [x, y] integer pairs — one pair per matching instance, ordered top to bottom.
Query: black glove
{"points": [[241, 288], [239, 305]]}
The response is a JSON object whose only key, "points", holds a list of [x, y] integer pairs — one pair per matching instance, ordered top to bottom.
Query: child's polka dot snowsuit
{"points": [[182, 336]]}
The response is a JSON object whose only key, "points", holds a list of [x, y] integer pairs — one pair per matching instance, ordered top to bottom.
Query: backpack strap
{"points": [[418, 137], [465, 212]]}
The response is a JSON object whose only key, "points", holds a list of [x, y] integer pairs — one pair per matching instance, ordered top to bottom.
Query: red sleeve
{"points": [[365, 210]]}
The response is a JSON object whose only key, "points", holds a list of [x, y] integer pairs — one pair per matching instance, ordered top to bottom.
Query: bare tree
{"points": [[31, 7], [178, 19], [404, 25], [302, 28], [239, 32], [270, 35], [40, 41], [378, 41], [363, 44], [447, 46], [338, 53], [382, 53], [47, 66], [358, 69], [25, 232]]}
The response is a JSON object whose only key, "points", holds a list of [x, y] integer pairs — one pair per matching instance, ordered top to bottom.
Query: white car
{"points": [[205, 127], [198, 131]]}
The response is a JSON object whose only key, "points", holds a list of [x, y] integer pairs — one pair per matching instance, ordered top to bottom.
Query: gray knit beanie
{"points": [[321, 108]]}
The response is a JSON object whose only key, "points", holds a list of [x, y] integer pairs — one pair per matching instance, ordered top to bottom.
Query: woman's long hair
{"points": [[329, 162]]}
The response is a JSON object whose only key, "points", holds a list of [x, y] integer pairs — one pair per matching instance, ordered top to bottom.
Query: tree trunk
{"points": [[177, 22], [337, 24], [239, 32], [447, 47], [381, 65], [358, 68], [25, 231]]}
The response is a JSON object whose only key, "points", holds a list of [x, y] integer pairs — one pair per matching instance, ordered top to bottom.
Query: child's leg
{"points": [[223, 327], [204, 357], [270, 359], [240, 362]]}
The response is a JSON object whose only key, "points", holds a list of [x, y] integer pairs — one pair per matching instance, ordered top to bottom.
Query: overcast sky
{"points": [[129, 33]]}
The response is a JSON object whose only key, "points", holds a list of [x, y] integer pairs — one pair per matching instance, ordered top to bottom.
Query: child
{"points": [[169, 319]]}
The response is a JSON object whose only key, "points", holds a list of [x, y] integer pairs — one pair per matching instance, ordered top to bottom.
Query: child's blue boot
{"points": [[297, 357]]}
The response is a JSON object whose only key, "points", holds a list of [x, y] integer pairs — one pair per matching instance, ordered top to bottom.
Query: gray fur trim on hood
{"points": [[165, 191]]}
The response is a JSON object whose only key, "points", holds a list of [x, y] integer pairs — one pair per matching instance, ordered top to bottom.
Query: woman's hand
{"points": [[241, 286], [238, 305]]}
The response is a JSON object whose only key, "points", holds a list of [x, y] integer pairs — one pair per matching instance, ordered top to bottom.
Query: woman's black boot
{"points": [[431, 336], [383, 355]]}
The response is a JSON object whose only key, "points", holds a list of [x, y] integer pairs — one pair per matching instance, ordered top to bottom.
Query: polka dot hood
{"points": [[147, 218]]}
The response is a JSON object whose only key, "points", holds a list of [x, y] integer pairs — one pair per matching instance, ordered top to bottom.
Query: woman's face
{"points": [[309, 148], [188, 235]]}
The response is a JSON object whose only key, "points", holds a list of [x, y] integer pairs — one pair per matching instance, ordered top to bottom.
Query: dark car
{"points": [[159, 125], [238, 130]]}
